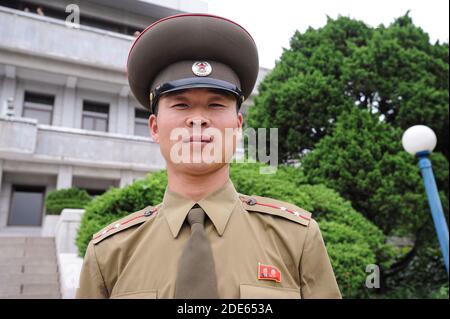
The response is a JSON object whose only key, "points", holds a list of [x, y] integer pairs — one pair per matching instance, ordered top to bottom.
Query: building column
{"points": [[8, 89], [68, 103], [122, 111], [1, 174], [64, 177], [126, 178], [5, 196]]}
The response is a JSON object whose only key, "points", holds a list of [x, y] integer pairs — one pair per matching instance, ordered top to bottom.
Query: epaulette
{"points": [[274, 207], [126, 222]]}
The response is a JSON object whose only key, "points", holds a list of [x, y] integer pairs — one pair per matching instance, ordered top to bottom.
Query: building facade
{"points": [[67, 116]]}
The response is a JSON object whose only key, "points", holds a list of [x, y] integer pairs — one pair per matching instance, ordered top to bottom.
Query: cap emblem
{"points": [[202, 68]]}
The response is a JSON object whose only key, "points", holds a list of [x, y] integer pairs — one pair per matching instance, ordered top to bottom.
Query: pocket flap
{"points": [[264, 292], [144, 294]]}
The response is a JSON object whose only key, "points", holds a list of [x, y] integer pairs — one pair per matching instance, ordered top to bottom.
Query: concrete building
{"points": [[67, 117]]}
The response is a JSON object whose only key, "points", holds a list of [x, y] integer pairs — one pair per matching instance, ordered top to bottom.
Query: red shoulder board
{"points": [[275, 207], [124, 223]]}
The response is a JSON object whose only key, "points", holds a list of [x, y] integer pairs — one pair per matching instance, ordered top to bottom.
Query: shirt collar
{"points": [[218, 206]]}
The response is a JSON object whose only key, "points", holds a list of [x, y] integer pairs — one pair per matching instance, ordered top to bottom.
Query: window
{"points": [[38, 106], [95, 116], [141, 122], [95, 192], [26, 206]]}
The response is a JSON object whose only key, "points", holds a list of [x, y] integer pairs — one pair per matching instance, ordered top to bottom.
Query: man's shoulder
{"points": [[271, 206], [126, 222]]}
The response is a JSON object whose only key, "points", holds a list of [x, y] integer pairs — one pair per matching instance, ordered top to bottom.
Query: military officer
{"points": [[205, 240]]}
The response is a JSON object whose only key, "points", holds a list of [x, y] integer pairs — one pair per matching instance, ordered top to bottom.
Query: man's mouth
{"points": [[198, 139]]}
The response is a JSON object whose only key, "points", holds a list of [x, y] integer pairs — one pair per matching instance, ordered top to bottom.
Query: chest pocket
{"points": [[261, 292], [143, 294]]}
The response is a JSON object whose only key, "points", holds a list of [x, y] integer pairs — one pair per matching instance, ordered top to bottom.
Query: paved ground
{"points": [[28, 268]]}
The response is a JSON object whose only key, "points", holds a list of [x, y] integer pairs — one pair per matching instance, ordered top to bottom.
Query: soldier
{"points": [[205, 240]]}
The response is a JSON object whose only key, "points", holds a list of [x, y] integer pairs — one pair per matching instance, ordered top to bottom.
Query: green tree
{"points": [[393, 71], [403, 77], [363, 160]]}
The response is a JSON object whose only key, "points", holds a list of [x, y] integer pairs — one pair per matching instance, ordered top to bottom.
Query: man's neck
{"points": [[196, 187]]}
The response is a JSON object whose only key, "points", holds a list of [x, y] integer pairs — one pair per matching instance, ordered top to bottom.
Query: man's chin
{"points": [[198, 168]]}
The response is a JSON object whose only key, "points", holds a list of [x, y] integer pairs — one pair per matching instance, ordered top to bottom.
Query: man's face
{"points": [[196, 126]]}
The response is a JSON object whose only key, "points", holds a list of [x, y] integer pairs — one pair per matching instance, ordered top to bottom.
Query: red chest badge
{"points": [[267, 272]]}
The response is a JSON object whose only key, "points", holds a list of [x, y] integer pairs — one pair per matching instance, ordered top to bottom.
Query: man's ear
{"points": [[240, 119], [153, 126]]}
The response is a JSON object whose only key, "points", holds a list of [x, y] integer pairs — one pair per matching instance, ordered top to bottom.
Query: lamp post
{"points": [[420, 140]]}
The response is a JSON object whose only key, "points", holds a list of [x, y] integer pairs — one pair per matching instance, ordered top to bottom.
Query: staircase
{"points": [[28, 268]]}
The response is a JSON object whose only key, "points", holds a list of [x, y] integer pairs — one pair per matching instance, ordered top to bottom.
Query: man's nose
{"points": [[198, 121]]}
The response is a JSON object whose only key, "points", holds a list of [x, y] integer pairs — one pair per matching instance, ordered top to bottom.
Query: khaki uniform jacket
{"points": [[137, 256]]}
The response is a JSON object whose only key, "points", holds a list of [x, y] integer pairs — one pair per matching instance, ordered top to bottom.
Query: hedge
{"points": [[57, 200], [352, 241]]}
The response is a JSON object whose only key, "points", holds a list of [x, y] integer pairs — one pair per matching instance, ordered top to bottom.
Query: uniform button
{"points": [[251, 201], [148, 213]]}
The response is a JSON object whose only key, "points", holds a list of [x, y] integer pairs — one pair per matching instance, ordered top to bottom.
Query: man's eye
{"points": [[180, 105], [217, 105]]}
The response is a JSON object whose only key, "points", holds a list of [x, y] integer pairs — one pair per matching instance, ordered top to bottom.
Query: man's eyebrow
{"points": [[215, 92], [175, 93], [221, 93]]}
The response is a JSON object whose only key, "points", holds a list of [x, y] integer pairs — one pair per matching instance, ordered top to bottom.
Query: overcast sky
{"points": [[272, 23]]}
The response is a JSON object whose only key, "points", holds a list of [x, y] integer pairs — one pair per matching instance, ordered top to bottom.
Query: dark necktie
{"points": [[196, 278]]}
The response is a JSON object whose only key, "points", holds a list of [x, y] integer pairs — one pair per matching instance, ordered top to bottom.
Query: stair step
{"points": [[9, 241], [30, 241], [40, 241], [12, 251], [42, 253], [30, 260], [28, 268], [11, 269], [40, 269], [29, 279], [9, 289], [40, 289], [30, 291], [48, 296]]}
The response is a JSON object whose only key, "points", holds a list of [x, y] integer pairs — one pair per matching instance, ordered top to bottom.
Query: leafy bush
{"points": [[57, 200], [351, 240], [411, 291], [441, 293]]}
